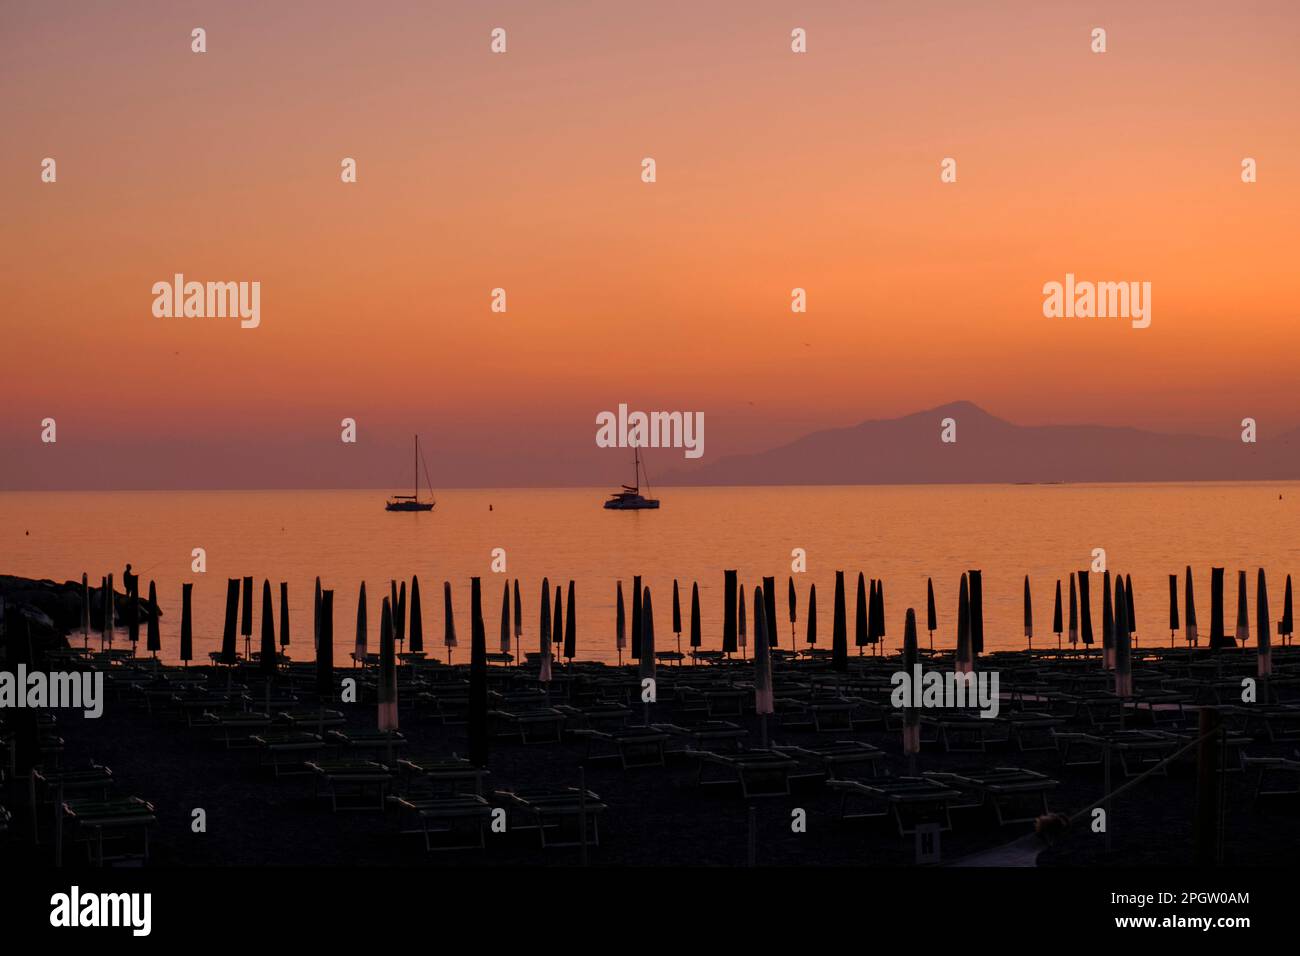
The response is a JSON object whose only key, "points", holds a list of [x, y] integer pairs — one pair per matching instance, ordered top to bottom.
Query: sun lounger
{"points": [[609, 716], [311, 718], [1275, 723], [534, 725], [233, 729], [1033, 731], [964, 733], [707, 734], [367, 741], [633, 746], [1138, 750], [289, 753], [831, 760], [436, 771], [760, 773], [1282, 775], [352, 783], [1008, 789], [910, 801], [554, 809], [444, 815], [97, 822]]}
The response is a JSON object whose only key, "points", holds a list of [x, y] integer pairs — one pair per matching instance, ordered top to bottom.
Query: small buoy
{"points": [[490, 507]]}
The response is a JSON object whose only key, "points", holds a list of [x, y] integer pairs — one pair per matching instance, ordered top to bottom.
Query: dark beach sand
{"points": [[656, 816]]}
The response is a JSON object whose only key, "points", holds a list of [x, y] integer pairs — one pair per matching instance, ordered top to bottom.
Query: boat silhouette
{"points": [[630, 498], [412, 502]]}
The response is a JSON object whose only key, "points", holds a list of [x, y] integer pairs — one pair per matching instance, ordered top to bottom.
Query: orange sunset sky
{"points": [[522, 170]]}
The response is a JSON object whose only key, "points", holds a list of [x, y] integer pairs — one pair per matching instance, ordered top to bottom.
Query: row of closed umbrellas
{"points": [[558, 624]]}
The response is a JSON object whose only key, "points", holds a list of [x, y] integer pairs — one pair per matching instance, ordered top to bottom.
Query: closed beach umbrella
{"points": [[132, 585], [792, 600], [392, 602], [769, 605], [1129, 606], [85, 607], [1085, 608], [1173, 608], [1189, 609], [246, 611], [1074, 611], [105, 612], [729, 612], [284, 613], [677, 613], [976, 613], [1243, 613], [519, 614], [931, 614], [1029, 614], [812, 615], [315, 616], [399, 616], [877, 616], [505, 617], [636, 617], [448, 620], [1057, 620], [620, 621], [1107, 621], [187, 622], [557, 626], [1263, 627], [1284, 627], [839, 628], [571, 629], [742, 629], [544, 633], [415, 634], [697, 635], [861, 635], [1217, 637], [153, 638], [1120, 640], [359, 649], [325, 650], [229, 655], [964, 657], [268, 660], [647, 665], [387, 669], [478, 684], [764, 701], [911, 715]]}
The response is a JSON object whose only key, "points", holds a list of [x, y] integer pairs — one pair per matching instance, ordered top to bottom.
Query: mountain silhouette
{"points": [[989, 449]]}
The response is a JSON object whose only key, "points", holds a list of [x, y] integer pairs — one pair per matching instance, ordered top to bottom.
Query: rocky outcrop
{"points": [[53, 610]]}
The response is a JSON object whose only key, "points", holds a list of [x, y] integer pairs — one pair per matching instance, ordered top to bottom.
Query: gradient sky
{"points": [[522, 171]]}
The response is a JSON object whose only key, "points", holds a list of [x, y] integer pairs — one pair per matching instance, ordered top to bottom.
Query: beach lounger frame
{"points": [[760, 773], [909, 801], [552, 809], [442, 815], [96, 822]]}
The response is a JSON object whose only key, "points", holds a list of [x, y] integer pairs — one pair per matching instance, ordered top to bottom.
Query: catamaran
{"points": [[630, 498], [413, 502]]}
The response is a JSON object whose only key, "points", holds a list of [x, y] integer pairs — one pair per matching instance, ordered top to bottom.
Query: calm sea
{"points": [[900, 534]]}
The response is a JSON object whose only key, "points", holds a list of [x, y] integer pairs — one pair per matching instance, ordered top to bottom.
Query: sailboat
{"points": [[630, 498], [413, 502]]}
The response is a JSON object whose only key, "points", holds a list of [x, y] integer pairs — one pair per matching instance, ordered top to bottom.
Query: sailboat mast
{"points": [[416, 462]]}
